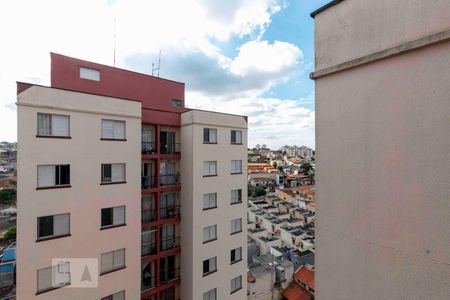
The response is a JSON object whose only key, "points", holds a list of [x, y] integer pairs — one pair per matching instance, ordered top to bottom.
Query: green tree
{"points": [[275, 165], [306, 167], [280, 168], [259, 191], [8, 196], [10, 235]]}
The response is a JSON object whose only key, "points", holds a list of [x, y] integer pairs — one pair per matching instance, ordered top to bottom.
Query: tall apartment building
{"points": [[382, 98], [113, 167]]}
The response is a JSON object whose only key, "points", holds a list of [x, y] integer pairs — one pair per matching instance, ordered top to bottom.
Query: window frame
{"points": [[89, 70], [179, 103], [207, 133], [51, 135], [235, 137], [113, 138], [209, 162], [57, 170], [233, 170], [110, 181], [239, 196], [209, 201], [233, 224], [112, 225], [209, 233], [52, 236], [235, 251], [212, 261], [113, 269], [51, 287], [234, 288], [208, 294], [111, 297]]}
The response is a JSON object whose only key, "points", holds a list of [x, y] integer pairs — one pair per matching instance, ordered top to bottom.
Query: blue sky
{"points": [[249, 57]]}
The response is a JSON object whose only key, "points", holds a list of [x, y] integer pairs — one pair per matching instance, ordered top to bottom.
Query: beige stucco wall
{"points": [[355, 28], [84, 200], [383, 210], [194, 219]]}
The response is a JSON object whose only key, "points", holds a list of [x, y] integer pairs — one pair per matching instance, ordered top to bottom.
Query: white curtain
{"points": [[44, 124], [60, 125], [107, 129], [119, 130], [213, 136], [117, 172], [46, 176], [119, 215], [61, 224], [118, 258], [106, 262], [44, 279], [119, 296]]}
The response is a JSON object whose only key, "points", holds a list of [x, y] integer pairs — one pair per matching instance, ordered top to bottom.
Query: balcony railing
{"points": [[148, 147], [171, 148], [170, 179], [148, 182], [169, 212], [148, 215], [168, 243], [148, 249], [167, 275]]}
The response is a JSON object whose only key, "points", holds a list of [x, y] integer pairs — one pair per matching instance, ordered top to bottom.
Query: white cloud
{"points": [[184, 30]]}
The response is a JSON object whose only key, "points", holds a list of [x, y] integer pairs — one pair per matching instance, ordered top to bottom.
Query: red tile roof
{"points": [[306, 276], [296, 292]]}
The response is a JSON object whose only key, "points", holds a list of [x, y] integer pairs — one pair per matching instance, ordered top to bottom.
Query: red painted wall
{"points": [[153, 92]]}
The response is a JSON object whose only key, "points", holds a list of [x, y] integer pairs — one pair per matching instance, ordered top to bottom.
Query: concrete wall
{"points": [[84, 152], [383, 214], [194, 219]]}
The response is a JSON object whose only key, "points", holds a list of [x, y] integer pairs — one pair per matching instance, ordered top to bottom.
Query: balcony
{"points": [[148, 148], [170, 148], [169, 179], [148, 182], [169, 212], [148, 215], [170, 242], [148, 249], [167, 275], [148, 278]]}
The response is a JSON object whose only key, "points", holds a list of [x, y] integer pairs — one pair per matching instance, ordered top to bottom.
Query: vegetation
{"points": [[306, 167], [259, 191], [8, 196], [10, 235]]}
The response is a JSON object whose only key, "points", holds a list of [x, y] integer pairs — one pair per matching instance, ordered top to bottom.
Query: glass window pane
{"points": [[60, 125]]}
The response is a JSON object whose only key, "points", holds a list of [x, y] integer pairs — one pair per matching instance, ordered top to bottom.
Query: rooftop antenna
{"points": [[114, 42], [159, 65]]}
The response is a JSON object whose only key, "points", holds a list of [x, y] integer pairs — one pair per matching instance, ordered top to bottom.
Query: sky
{"points": [[250, 57]]}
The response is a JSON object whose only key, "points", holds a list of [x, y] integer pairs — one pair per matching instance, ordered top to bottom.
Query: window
{"points": [[90, 74], [177, 103], [52, 125], [113, 130], [209, 136], [236, 137], [236, 167], [209, 168], [113, 173], [53, 175], [236, 196], [209, 201], [113, 216], [53, 226], [236, 226], [209, 233], [236, 255], [112, 261], [210, 266], [53, 277], [236, 284], [210, 295], [117, 296]]}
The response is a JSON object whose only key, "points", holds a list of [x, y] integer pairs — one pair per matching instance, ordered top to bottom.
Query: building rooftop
{"points": [[326, 6], [268, 238], [305, 275]]}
